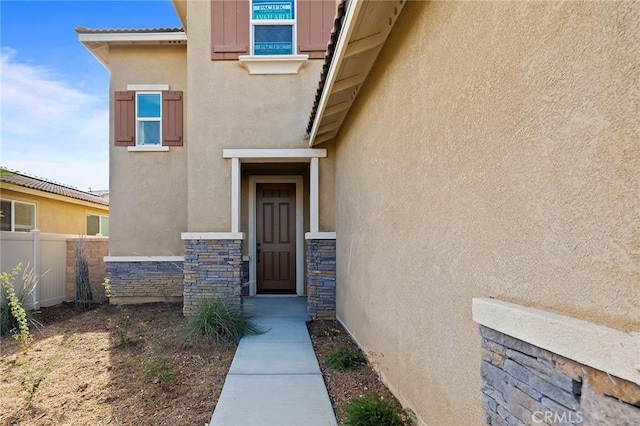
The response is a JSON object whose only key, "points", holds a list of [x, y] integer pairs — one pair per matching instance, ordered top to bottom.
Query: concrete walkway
{"points": [[274, 379]]}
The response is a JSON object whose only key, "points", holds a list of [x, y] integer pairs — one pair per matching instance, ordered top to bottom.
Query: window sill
{"points": [[276, 64], [150, 148]]}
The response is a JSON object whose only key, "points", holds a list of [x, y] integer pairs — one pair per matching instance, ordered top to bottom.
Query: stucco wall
{"points": [[231, 109], [493, 151], [148, 189], [57, 215]]}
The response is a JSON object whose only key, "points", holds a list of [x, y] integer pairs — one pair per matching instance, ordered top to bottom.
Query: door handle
{"points": [[258, 253]]}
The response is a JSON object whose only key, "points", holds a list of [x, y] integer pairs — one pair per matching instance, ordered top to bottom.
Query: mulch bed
{"points": [[127, 365], [343, 387]]}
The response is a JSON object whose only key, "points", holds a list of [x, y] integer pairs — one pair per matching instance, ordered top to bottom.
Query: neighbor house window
{"points": [[273, 27], [148, 118], [17, 216], [97, 225]]}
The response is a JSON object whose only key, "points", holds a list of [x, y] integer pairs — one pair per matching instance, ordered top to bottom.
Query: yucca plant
{"points": [[221, 321]]}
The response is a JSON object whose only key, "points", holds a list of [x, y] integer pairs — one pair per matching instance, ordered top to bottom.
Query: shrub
{"points": [[14, 318], [221, 321], [343, 359], [371, 410]]}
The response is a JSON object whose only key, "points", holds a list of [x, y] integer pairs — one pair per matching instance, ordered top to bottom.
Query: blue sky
{"points": [[54, 94]]}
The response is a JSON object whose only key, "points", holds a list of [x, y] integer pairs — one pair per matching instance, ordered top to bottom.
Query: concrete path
{"points": [[274, 379]]}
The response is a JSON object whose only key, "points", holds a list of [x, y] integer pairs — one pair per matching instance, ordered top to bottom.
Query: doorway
{"points": [[276, 238]]}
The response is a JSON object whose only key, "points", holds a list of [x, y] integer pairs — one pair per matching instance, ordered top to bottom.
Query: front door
{"points": [[276, 238]]}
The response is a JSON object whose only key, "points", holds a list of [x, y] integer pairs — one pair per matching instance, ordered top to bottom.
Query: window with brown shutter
{"points": [[315, 22], [229, 29], [125, 118], [171, 118]]}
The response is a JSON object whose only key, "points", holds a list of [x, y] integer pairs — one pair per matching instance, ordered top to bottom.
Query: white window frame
{"points": [[293, 23], [139, 119], [13, 214], [100, 217]]}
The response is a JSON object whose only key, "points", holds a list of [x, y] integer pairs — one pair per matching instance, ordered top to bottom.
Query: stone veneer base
{"points": [[212, 268], [321, 278], [149, 281], [524, 384]]}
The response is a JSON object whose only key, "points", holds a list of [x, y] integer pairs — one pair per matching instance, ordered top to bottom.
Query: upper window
{"points": [[273, 27], [147, 115], [148, 118], [17, 216], [97, 225]]}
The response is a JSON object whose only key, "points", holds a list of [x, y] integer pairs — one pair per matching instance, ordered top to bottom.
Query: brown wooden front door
{"points": [[276, 238]]}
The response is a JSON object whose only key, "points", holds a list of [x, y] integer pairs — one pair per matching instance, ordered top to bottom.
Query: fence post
{"points": [[35, 233]]}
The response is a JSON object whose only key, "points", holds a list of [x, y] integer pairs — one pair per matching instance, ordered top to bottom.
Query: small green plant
{"points": [[107, 286], [14, 318], [221, 321], [122, 331], [344, 359], [159, 370], [371, 410]]}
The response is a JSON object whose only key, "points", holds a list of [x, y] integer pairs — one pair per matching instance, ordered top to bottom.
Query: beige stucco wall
{"points": [[228, 108], [492, 152], [148, 189], [56, 214]]}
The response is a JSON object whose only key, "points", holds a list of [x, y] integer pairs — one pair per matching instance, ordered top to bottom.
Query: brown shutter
{"points": [[315, 22], [229, 29], [124, 118], [171, 118]]}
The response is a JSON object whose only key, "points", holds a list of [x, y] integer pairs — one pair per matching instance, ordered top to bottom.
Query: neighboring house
{"points": [[476, 163], [30, 202]]}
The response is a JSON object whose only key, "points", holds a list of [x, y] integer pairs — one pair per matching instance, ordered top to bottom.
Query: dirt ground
{"points": [[128, 365]]}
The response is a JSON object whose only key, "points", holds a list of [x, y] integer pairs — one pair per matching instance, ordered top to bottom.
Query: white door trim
{"points": [[253, 181]]}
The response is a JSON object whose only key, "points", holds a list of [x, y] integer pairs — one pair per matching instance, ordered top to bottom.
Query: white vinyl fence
{"points": [[46, 255]]}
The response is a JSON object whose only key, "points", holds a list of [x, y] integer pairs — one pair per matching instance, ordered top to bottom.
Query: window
{"points": [[273, 24], [270, 27], [148, 118], [17, 216], [97, 225]]}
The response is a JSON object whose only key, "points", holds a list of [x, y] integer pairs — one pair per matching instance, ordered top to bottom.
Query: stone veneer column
{"points": [[212, 267], [321, 278], [144, 280]]}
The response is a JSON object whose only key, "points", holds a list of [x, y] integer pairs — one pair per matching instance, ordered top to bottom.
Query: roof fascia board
{"points": [[353, 10], [131, 37], [29, 191]]}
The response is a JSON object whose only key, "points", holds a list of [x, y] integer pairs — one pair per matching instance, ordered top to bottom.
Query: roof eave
{"points": [[98, 43], [361, 48]]}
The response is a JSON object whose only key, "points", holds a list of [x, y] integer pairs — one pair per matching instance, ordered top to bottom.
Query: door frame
{"points": [[298, 181]]}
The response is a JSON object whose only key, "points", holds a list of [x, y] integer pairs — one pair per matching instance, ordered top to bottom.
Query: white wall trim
{"points": [[273, 64], [153, 87], [148, 148], [302, 154], [235, 195], [314, 196], [213, 235], [320, 236], [143, 258], [253, 276], [612, 351]]}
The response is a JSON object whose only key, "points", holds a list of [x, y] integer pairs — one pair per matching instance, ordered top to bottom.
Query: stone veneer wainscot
{"points": [[321, 278], [144, 281]]}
